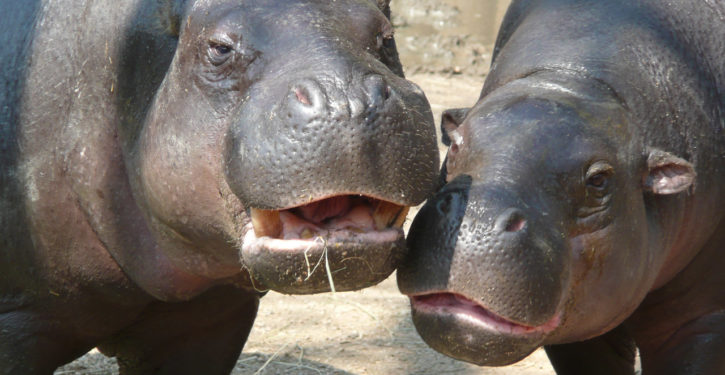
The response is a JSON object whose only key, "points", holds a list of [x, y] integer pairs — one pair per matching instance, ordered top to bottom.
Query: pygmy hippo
{"points": [[165, 162], [585, 197]]}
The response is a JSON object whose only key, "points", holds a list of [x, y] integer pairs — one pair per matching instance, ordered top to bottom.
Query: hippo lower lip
{"points": [[354, 239], [464, 308], [464, 330]]}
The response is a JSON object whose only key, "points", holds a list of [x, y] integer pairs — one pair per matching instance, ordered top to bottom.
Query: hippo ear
{"points": [[384, 6], [169, 17], [451, 119], [667, 173]]}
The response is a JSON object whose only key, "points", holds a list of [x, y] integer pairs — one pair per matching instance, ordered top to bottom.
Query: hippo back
{"points": [[637, 48]]}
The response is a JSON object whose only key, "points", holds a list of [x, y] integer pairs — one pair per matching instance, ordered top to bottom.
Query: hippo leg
{"points": [[202, 336], [31, 345], [695, 349], [611, 353]]}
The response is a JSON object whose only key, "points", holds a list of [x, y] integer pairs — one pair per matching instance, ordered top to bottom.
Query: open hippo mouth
{"points": [[339, 243], [463, 308]]}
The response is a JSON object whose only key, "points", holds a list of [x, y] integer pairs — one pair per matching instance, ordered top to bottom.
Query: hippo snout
{"points": [[309, 100], [368, 135], [328, 165], [478, 244], [482, 259]]}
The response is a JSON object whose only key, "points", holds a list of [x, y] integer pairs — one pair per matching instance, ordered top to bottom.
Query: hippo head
{"points": [[284, 132], [544, 231]]}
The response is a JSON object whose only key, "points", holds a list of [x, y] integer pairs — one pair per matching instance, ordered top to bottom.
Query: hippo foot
{"points": [[340, 243]]}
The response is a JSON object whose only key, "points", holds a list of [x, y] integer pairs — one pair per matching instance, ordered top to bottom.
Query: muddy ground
{"points": [[445, 46]]}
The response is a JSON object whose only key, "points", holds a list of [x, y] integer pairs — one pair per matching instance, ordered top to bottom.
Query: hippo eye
{"points": [[221, 49], [219, 52], [598, 175], [598, 181], [597, 193]]}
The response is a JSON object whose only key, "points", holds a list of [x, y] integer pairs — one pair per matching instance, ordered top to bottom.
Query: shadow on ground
{"points": [[269, 364]]}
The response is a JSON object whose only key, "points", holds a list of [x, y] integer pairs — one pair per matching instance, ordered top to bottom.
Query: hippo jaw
{"points": [[340, 243], [461, 328]]}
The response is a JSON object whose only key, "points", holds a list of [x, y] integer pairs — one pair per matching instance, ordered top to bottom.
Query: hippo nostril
{"points": [[377, 90], [302, 95], [307, 97], [453, 150], [444, 205], [512, 220], [515, 225]]}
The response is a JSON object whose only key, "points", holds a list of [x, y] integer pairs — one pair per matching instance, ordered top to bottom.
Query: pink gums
{"points": [[330, 215]]}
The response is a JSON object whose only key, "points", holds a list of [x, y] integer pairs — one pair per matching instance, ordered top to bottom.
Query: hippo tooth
{"points": [[387, 214], [401, 217], [266, 223], [307, 234]]}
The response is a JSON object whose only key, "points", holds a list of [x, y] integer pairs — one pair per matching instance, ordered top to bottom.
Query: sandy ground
{"points": [[447, 36], [365, 332]]}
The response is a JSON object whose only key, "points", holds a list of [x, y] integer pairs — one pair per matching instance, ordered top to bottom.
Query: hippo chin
{"points": [[164, 161], [584, 207]]}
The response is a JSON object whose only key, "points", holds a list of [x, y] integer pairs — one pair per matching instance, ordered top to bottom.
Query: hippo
{"points": [[166, 162], [584, 201]]}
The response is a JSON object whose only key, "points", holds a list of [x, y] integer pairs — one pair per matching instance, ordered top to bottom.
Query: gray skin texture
{"points": [[135, 137], [584, 202]]}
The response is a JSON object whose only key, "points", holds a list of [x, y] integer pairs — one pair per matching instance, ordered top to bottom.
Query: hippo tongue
{"points": [[321, 210]]}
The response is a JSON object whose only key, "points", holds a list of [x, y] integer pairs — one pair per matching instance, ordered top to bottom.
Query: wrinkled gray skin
{"points": [[135, 137], [585, 198]]}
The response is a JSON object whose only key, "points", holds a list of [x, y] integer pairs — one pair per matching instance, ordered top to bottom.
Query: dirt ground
{"points": [[447, 36], [445, 46]]}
